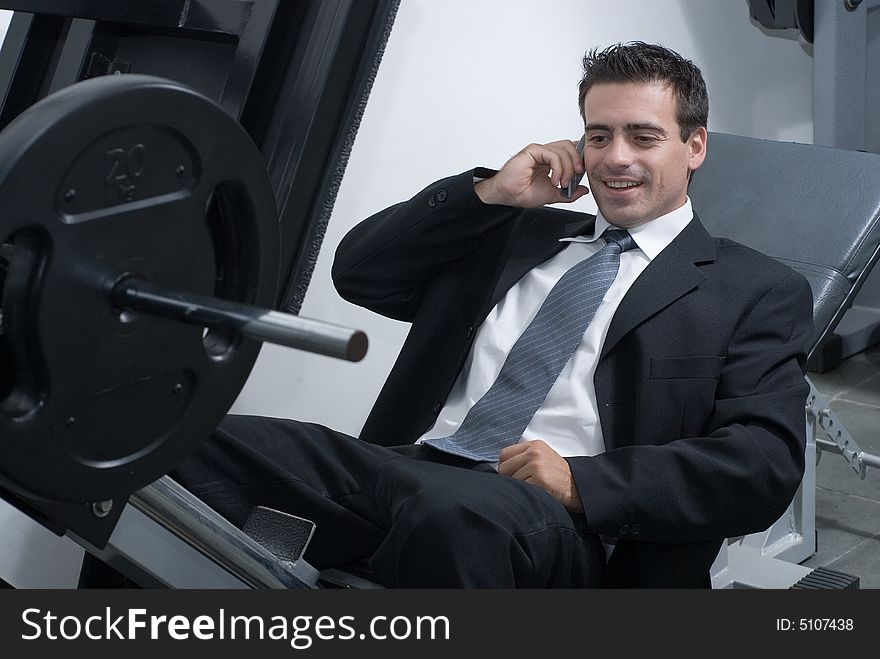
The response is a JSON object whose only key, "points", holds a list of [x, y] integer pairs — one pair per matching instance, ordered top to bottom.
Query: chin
{"points": [[620, 220], [624, 223]]}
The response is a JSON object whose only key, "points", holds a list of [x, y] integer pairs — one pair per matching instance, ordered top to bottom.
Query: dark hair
{"points": [[642, 62]]}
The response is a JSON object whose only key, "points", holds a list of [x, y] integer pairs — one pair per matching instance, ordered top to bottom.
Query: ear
{"points": [[697, 148]]}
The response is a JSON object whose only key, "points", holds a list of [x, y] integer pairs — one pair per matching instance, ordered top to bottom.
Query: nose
{"points": [[619, 154]]}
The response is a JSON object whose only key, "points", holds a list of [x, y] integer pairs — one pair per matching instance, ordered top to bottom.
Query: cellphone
{"points": [[576, 179]]}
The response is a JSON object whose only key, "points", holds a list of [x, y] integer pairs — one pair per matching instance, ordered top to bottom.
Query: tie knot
{"points": [[621, 237]]}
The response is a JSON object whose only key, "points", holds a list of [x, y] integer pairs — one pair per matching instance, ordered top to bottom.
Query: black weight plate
{"points": [[112, 176]]}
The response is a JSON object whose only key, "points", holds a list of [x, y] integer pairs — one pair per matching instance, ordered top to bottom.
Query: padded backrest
{"points": [[814, 208]]}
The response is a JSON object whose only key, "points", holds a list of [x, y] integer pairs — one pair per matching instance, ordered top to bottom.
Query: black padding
{"points": [[813, 208], [286, 536], [824, 579]]}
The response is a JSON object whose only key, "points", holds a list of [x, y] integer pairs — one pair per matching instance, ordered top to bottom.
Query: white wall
{"points": [[466, 83]]}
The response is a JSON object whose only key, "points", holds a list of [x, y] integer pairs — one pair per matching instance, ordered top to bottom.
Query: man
{"points": [[676, 419]]}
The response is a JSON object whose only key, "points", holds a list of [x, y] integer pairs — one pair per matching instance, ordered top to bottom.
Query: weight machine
{"points": [[238, 162], [167, 170]]}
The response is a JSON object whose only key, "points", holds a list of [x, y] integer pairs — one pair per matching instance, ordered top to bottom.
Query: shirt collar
{"points": [[651, 237]]}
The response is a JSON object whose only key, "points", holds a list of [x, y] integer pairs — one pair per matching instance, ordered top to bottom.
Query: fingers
{"points": [[561, 157], [533, 176], [579, 192], [514, 449], [513, 459], [536, 463], [510, 466], [521, 470]]}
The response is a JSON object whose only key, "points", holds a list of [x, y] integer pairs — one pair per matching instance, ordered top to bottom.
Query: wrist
{"points": [[487, 192], [574, 503]]}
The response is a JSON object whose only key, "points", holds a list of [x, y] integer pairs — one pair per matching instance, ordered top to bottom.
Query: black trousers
{"points": [[420, 517]]}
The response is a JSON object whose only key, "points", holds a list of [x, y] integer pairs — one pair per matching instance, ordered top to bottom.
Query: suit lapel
{"points": [[536, 243], [668, 277]]}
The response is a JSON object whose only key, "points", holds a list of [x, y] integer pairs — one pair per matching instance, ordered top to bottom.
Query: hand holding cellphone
{"points": [[576, 179]]}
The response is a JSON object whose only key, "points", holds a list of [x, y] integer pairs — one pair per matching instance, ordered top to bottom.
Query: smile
{"points": [[617, 185]]}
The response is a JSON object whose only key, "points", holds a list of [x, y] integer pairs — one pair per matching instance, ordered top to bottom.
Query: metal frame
{"points": [[845, 39], [846, 89], [833, 437], [168, 538], [771, 559]]}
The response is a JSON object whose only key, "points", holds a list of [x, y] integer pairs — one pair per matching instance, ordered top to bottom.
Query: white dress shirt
{"points": [[568, 419]]}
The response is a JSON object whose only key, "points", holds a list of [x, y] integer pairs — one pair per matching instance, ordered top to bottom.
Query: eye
{"points": [[599, 139], [646, 140]]}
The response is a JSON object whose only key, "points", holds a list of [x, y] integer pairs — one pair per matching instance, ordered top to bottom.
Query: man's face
{"points": [[637, 165]]}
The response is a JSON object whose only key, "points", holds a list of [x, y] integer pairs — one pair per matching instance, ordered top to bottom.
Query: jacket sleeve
{"points": [[385, 262], [738, 478]]}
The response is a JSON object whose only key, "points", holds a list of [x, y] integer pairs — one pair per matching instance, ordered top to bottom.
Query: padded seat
{"points": [[815, 209]]}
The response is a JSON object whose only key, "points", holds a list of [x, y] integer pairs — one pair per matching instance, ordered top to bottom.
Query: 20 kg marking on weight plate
{"points": [[124, 167]]}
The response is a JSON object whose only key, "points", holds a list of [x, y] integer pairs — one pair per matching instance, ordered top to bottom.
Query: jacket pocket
{"points": [[685, 367]]}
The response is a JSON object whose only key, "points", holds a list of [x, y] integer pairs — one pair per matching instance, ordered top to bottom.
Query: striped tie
{"points": [[537, 358]]}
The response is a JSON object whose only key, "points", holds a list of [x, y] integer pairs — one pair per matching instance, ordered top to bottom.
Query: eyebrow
{"points": [[628, 127]]}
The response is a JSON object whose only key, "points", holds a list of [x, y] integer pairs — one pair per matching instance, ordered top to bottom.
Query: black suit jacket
{"points": [[699, 385]]}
